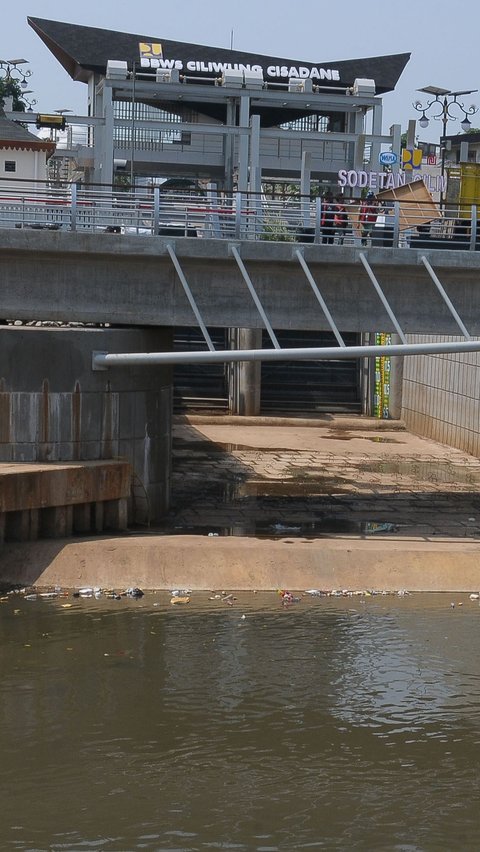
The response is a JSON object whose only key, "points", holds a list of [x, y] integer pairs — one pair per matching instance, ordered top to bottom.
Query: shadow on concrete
{"points": [[215, 492]]}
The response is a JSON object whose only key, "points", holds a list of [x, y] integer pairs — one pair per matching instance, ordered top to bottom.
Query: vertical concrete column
{"points": [[376, 131], [228, 143], [243, 143], [255, 169], [305, 183], [246, 375], [396, 382], [115, 514], [82, 517], [97, 519], [56, 521], [22, 525]]}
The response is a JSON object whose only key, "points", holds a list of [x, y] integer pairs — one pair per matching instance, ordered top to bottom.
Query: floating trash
{"points": [[284, 528], [373, 528], [134, 593], [287, 597], [180, 600]]}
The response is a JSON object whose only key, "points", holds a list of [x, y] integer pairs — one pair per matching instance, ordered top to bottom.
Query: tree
{"points": [[10, 88]]}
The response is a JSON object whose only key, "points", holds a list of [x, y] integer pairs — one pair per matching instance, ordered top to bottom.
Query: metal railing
{"points": [[242, 216]]}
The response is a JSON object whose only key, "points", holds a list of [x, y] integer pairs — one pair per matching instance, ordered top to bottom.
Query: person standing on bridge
{"points": [[368, 216], [340, 219]]}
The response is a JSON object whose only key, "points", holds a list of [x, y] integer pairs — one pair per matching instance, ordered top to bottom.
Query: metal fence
{"points": [[243, 216]]}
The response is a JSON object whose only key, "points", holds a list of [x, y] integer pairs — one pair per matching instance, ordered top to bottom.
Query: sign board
{"points": [[388, 158], [411, 158]]}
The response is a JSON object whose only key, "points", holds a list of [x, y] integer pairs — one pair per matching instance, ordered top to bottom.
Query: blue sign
{"points": [[387, 158]]}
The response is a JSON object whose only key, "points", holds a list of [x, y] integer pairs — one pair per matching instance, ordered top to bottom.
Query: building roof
{"points": [[82, 50], [13, 135], [473, 137]]}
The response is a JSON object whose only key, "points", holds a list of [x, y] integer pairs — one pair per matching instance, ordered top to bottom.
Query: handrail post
{"points": [[73, 208], [156, 210], [238, 215], [318, 220], [396, 224], [473, 227]]}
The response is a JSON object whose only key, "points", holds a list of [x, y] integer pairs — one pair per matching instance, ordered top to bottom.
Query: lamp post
{"points": [[9, 70], [13, 79], [443, 101]]}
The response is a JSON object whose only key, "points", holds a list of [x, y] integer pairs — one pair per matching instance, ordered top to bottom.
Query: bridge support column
{"points": [[245, 376], [396, 382], [55, 408]]}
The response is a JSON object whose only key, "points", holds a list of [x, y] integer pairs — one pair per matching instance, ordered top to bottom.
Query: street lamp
{"points": [[9, 70], [444, 100]]}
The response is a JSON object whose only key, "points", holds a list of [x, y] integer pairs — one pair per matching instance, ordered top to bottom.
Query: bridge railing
{"points": [[241, 216]]}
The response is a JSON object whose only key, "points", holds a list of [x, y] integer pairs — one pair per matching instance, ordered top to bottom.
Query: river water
{"points": [[335, 723]]}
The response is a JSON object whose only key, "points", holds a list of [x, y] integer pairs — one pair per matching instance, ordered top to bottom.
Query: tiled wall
{"points": [[441, 396]]}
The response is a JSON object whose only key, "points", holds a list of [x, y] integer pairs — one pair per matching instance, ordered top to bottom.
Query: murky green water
{"points": [[336, 724]]}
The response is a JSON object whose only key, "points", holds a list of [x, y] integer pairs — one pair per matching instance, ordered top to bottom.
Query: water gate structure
{"points": [[103, 262]]}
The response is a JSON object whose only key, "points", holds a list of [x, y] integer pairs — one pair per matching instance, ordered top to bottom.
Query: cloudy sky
{"points": [[441, 36]]}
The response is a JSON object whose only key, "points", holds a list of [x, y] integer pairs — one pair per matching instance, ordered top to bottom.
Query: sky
{"points": [[442, 38]]}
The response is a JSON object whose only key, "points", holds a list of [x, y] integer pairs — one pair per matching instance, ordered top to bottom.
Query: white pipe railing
{"points": [[245, 216], [104, 360]]}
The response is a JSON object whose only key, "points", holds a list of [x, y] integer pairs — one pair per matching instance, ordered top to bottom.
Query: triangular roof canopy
{"points": [[85, 49]]}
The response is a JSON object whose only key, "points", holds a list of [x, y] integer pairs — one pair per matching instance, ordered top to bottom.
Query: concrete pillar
{"points": [[376, 131], [396, 134], [228, 143], [243, 144], [103, 150], [255, 170], [305, 184], [246, 375], [396, 382], [115, 514], [82, 517], [97, 519], [56, 522], [22, 525], [2, 527]]}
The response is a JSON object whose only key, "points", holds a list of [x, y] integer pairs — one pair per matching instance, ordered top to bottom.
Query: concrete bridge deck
{"points": [[129, 280]]}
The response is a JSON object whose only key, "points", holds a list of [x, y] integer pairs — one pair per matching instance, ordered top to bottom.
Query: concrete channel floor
{"points": [[327, 478], [336, 503]]}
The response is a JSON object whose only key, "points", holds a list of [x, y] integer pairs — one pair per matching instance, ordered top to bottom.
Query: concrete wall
{"points": [[441, 396], [53, 407]]}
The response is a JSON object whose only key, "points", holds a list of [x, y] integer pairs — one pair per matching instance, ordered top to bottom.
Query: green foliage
{"points": [[10, 88], [276, 230]]}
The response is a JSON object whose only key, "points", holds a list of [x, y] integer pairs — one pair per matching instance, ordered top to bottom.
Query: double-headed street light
{"points": [[9, 70], [443, 101]]}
